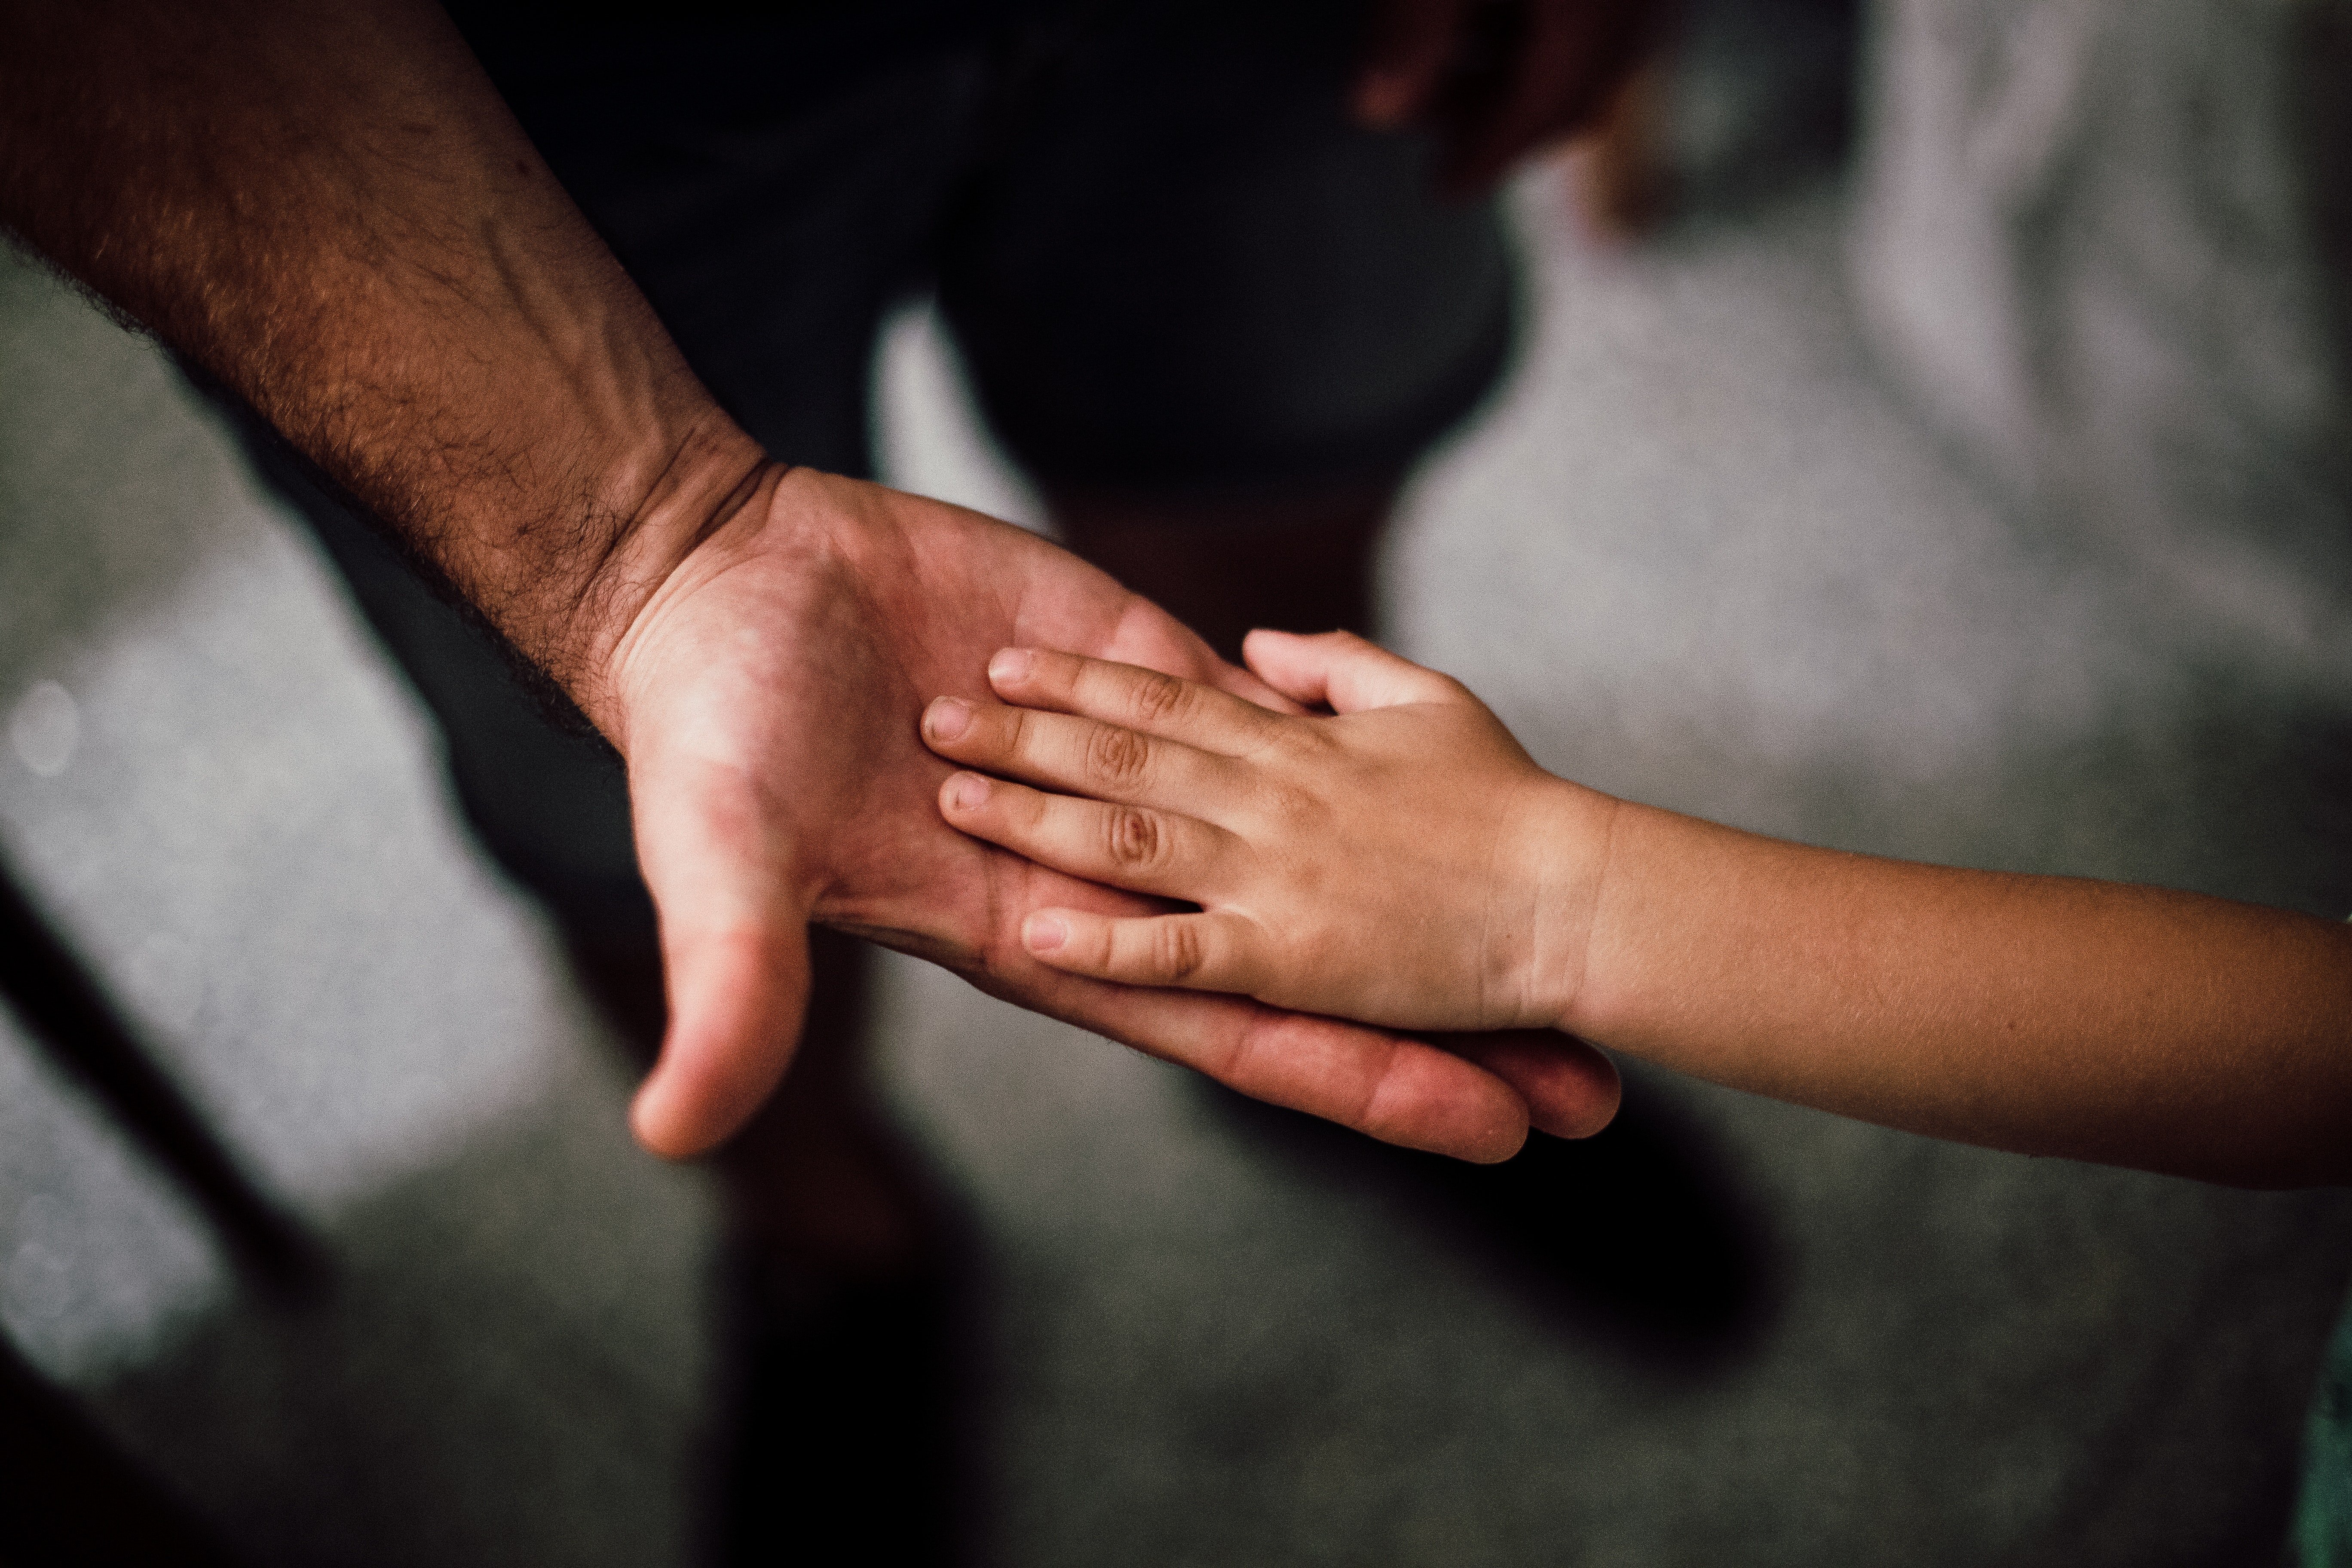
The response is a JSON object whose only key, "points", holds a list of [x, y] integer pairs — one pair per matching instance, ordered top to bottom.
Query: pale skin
{"points": [[331, 210], [1403, 861]]}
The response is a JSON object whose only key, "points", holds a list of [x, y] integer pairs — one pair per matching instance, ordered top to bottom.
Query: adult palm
{"points": [[769, 694]]}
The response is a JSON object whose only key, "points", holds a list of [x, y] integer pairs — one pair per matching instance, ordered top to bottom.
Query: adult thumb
{"points": [[735, 959]]}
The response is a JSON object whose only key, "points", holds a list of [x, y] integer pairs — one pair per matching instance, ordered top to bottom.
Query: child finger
{"points": [[1343, 672], [1136, 698], [1083, 757], [1130, 846], [1206, 952]]}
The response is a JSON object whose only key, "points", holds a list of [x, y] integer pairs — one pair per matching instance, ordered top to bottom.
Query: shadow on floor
{"points": [[1635, 1237]]}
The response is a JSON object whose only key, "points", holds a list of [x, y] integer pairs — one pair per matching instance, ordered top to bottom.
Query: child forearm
{"points": [[1406, 863], [2043, 1015]]}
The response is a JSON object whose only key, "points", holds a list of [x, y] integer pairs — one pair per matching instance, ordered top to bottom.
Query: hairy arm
{"points": [[329, 208]]}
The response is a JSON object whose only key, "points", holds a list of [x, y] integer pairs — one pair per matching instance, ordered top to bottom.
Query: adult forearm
{"points": [[329, 207], [2044, 1015]]}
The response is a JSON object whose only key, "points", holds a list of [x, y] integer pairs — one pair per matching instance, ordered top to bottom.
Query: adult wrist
{"points": [[664, 500]]}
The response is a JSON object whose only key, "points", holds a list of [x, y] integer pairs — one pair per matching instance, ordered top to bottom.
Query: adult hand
{"points": [[1495, 78], [331, 210], [767, 698]]}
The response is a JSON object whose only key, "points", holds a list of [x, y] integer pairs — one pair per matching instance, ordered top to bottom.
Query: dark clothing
{"points": [[1171, 263]]}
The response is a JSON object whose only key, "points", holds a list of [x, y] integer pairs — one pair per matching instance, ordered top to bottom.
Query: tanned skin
{"points": [[329, 208]]}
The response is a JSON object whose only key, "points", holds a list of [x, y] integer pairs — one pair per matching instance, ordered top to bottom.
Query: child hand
{"points": [[1402, 862]]}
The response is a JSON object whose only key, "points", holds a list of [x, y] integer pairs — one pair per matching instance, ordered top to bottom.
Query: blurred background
{"points": [[1927, 437]]}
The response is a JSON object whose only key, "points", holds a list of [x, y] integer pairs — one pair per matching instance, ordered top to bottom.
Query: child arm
{"points": [[1404, 862]]}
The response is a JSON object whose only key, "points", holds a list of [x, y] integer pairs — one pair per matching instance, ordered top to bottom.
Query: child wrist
{"points": [[1569, 847]]}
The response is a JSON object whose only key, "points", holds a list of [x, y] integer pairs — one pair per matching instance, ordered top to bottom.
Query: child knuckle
{"points": [[1159, 699], [1019, 733], [1298, 746], [1117, 758], [1291, 809], [1137, 840], [1177, 952]]}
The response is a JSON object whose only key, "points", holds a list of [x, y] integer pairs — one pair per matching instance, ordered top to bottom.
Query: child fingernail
{"points": [[1011, 664], [948, 718], [966, 791], [1045, 933]]}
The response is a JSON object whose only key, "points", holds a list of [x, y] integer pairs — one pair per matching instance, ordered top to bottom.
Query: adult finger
{"points": [[1408, 52], [1344, 672], [1131, 697], [1064, 751], [1131, 847], [734, 939], [1571, 1087], [1397, 1089]]}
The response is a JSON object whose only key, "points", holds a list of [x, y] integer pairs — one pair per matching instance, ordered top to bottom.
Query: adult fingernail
{"points": [[1011, 664], [948, 718], [966, 791], [1043, 933]]}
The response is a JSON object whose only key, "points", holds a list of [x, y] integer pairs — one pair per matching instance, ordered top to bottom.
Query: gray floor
{"points": [[1697, 554], [230, 802]]}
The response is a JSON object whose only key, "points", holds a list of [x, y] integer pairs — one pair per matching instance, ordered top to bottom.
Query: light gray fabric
{"points": [[2100, 242]]}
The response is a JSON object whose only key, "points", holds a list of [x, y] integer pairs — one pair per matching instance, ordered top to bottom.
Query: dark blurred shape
{"points": [[1762, 101], [1740, 104], [62, 1006], [1633, 1236], [848, 1383], [848, 1439], [70, 1498]]}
